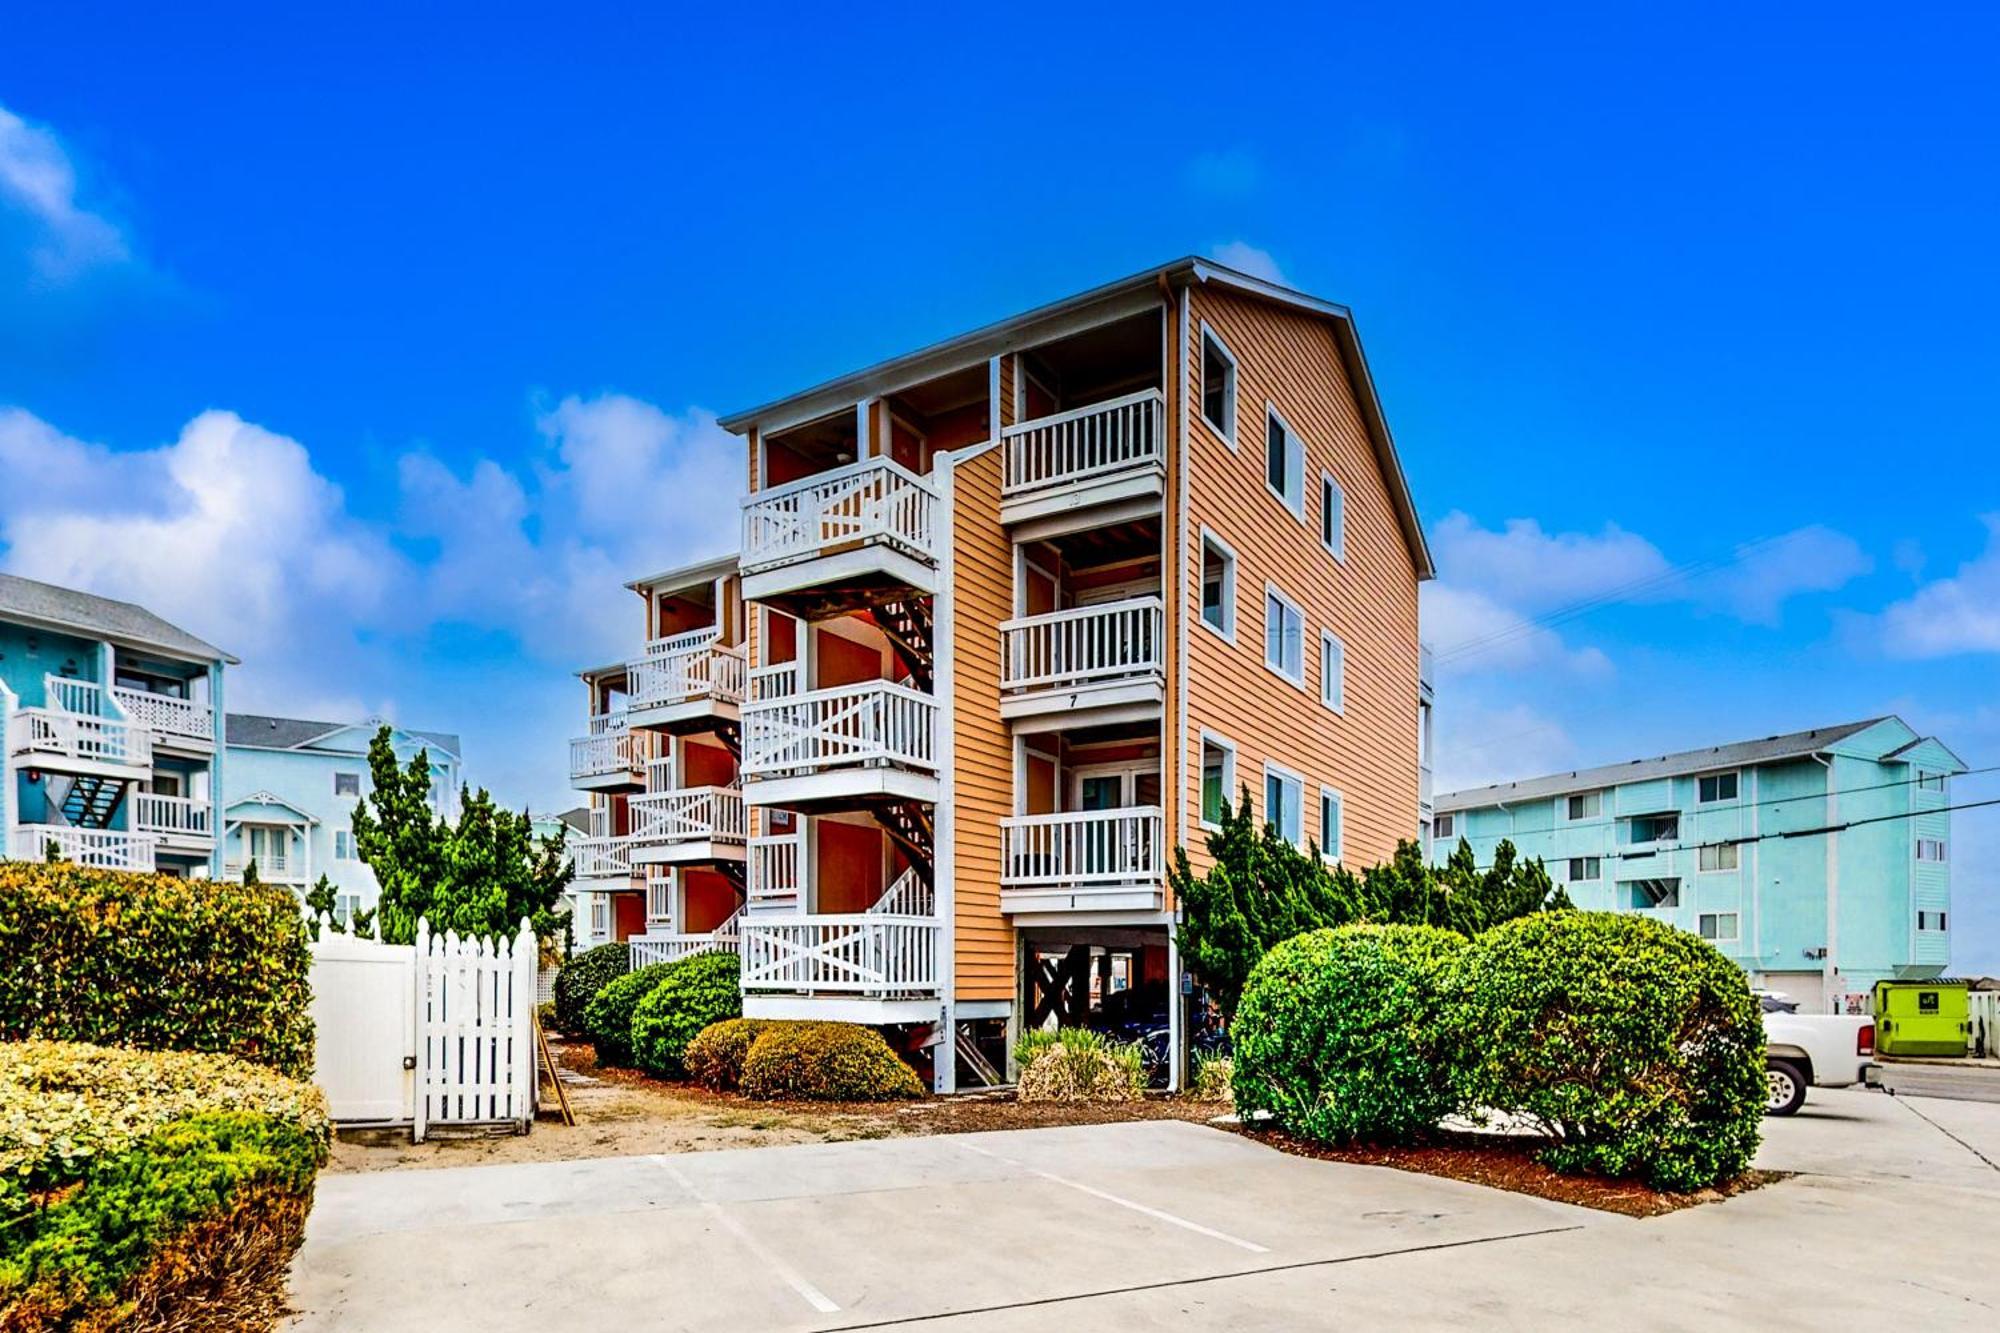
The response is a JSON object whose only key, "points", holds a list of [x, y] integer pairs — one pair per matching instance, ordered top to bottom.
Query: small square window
{"points": [[1218, 386], [1284, 462], [1332, 515], [1218, 586], [1284, 636], [1332, 672], [1218, 778], [1930, 782], [347, 784], [1716, 787], [1284, 804], [1585, 805], [1331, 810], [1446, 827], [1930, 849], [1721, 856], [1585, 869], [1931, 921], [1718, 927]]}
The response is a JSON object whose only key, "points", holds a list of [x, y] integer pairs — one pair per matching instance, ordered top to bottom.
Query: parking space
{"points": [[1121, 1225]]}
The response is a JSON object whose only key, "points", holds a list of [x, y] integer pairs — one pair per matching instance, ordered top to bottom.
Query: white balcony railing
{"points": [[1087, 442], [876, 500], [1090, 643], [684, 668], [774, 682], [76, 696], [165, 715], [875, 722], [79, 736], [609, 753], [692, 814], [178, 817], [1124, 846], [102, 849], [601, 858], [775, 875], [672, 946], [853, 954]]}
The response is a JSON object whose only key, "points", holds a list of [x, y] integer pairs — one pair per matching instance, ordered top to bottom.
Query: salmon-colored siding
{"points": [[1368, 753], [982, 778]]}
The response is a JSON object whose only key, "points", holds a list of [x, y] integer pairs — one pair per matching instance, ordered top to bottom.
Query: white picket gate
{"points": [[436, 1033]]}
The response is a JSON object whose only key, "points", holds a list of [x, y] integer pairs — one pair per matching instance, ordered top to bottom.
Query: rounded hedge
{"points": [[579, 980], [698, 990], [607, 1019], [1342, 1034], [1637, 1046], [715, 1057], [836, 1062]]}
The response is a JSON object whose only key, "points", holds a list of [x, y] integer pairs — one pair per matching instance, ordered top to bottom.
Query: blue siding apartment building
{"points": [[110, 733], [1725, 842]]}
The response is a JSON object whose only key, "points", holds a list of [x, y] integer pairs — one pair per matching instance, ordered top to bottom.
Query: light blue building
{"points": [[110, 745], [293, 785], [1818, 860]]}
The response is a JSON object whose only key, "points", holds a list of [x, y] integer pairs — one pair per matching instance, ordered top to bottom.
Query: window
{"points": [[1218, 386], [1284, 462], [1332, 515], [1218, 585], [1284, 636], [1332, 672], [1218, 779], [1930, 781], [347, 784], [1716, 787], [1284, 803], [1585, 805], [1331, 808], [1447, 826], [1655, 828], [343, 845], [1931, 849], [1721, 856], [1585, 869], [1652, 893], [345, 905], [600, 914], [1931, 921], [1718, 927]]}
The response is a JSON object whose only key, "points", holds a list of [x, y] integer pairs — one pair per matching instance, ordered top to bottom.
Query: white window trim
{"points": [[1228, 436], [1295, 461], [1338, 547], [1230, 565], [1272, 590], [1338, 703], [1228, 748], [338, 775], [1295, 778], [1720, 800], [1450, 816], [1567, 818], [1718, 847], [1943, 851], [353, 852], [1330, 855], [1569, 871], [1736, 935]]}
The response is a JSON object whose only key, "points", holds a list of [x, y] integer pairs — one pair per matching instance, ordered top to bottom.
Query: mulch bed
{"points": [[1509, 1164]]}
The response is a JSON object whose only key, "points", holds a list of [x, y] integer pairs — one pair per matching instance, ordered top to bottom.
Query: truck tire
{"points": [[1785, 1087]]}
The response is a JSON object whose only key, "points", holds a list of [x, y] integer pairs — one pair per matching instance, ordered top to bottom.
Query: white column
{"points": [[1176, 1013]]}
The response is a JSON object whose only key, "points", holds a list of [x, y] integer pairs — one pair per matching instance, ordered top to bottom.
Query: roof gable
{"points": [[100, 618], [291, 733]]}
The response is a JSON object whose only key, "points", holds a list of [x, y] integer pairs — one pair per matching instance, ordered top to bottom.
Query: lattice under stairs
{"points": [[907, 626], [90, 801]]}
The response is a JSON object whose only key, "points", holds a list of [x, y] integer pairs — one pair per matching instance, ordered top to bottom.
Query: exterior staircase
{"points": [[906, 623], [91, 801], [908, 824]]}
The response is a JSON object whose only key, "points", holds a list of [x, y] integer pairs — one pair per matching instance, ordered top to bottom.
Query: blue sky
{"points": [[381, 348]]}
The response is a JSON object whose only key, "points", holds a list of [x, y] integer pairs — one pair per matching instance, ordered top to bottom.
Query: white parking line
{"points": [[1155, 1213], [812, 1295]]}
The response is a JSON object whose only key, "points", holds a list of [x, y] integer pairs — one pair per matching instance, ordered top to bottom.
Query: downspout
{"points": [[1831, 967]]}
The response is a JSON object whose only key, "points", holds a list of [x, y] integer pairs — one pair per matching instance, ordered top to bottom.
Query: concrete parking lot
{"points": [[1132, 1225]]}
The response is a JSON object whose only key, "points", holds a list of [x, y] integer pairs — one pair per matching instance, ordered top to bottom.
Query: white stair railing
{"points": [[1085, 442], [875, 500], [1089, 643], [683, 668], [774, 682], [167, 715], [875, 722], [80, 736], [608, 753], [691, 814], [171, 816], [1122, 846], [101, 849], [602, 858], [908, 896], [671, 946], [848, 954]]}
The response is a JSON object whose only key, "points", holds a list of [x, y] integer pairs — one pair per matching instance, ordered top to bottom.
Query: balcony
{"points": [[1105, 463], [865, 528], [1089, 666], [685, 683], [175, 723], [876, 739], [80, 743], [611, 758], [181, 823], [691, 826], [100, 849], [602, 858], [1085, 861], [775, 876], [667, 946], [867, 967]]}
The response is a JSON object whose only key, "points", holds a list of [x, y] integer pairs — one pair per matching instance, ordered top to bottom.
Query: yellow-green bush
{"points": [[154, 962], [715, 1057], [836, 1062], [1079, 1065]]}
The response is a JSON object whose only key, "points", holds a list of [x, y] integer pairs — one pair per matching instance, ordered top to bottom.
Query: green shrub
{"points": [[155, 962], [579, 980], [698, 990], [607, 1019], [1342, 1034], [1031, 1043], [1636, 1046], [715, 1057], [835, 1062], [1079, 1065], [1213, 1077]]}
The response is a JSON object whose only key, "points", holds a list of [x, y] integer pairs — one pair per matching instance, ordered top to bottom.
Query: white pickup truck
{"points": [[1813, 1050]]}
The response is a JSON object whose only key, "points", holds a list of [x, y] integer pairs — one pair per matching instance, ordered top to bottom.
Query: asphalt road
{"points": [[1959, 1085]]}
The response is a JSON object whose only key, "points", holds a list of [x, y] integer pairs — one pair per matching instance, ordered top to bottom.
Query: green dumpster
{"points": [[1922, 1017]]}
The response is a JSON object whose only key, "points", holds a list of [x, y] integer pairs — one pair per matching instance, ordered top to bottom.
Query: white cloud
{"points": [[38, 182], [1247, 258], [1537, 570], [1755, 587], [1959, 614], [1475, 632], [1479, 744]]}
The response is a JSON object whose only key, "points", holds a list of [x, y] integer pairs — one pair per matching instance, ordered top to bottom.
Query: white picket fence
{"points": [[440, 1032]]}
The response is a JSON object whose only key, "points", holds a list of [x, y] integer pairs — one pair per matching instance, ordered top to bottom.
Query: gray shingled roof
{"points": [[100, 618], [289, 733], [1791, 745]]}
